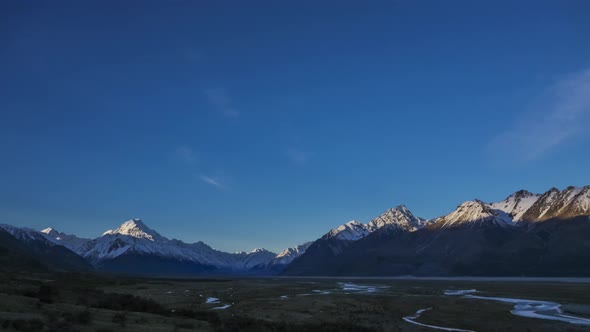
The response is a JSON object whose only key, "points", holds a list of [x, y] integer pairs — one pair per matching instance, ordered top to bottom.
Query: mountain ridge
{"points": [[531, 218], [476, 238]]}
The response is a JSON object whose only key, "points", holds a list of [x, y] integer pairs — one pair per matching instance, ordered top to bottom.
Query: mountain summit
{"points": [[570, 202], [517, 204], [473, 213], [400, 217], [135, 228], [351, 231], [71, 242]]}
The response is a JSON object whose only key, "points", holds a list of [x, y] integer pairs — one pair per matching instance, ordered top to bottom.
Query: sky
{"points": [[250, 124]]}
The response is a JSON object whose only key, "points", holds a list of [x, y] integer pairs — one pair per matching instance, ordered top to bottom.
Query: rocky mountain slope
{"points": [[525, 234], [319, 256]]}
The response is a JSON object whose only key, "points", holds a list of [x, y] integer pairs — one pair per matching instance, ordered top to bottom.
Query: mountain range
{"points": [[525, 234], [134, 248]]}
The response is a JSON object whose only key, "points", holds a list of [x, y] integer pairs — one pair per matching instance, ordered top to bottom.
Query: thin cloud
{"points": [[221, 102], [562, 114], [186, 154], [297, 156], [211, 181]]}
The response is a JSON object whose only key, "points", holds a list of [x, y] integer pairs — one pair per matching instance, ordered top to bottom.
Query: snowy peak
{"points": [[570, 202], [517, 204], [580, 204], [472, 213], [399, 217], [137, 229], [50, 231], [351, 231], [23, 233], [133, 237], [71, 242], [258, 250], [254, 251], [288, 255]]}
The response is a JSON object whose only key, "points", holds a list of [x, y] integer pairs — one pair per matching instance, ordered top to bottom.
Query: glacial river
{"points": [[522, 307], [526, 308]]}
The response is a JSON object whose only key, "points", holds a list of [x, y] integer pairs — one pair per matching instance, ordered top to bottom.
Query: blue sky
{"points": [[265, 124]]}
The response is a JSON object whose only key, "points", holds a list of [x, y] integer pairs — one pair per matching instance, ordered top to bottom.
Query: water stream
{"points": [[526, 308]]}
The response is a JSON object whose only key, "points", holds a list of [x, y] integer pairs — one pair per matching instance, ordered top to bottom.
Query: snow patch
{"points": [[350, 287], [459, 292], [223, 307]]}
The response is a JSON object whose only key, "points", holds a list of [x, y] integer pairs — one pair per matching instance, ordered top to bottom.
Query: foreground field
{"points": [[100, 304]]}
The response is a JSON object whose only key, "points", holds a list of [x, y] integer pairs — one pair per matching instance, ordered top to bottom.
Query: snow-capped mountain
{"points": [[570, 202], [517, 204], [524, 206], [473, 213], [400, 218], [473, 228], [137, 229], [351, 231], [24, 233], [525, 234], [133, 237], [71, 242], [133, 246], [44, 250], [320, 254], [288, 255], [256, 257], [280, 261]]}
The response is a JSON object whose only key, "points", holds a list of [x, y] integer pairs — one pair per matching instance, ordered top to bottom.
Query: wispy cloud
{"points": [[221, 102], [563, 112], [186, 154], [297, 156], [215, 182]]}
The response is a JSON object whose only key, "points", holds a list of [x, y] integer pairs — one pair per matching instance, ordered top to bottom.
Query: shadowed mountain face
{"points": [[526, 234], [551, 248], [21, 250], [14, 256], [155, 265]]}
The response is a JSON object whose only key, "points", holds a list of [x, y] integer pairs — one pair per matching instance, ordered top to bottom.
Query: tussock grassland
{"points": [[74, 302]]}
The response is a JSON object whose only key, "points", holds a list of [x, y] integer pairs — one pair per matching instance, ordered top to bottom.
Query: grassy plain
{"points": [[73, 302]]}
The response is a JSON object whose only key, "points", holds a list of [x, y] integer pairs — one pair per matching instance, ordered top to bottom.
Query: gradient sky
{"points": [[264, 124]]}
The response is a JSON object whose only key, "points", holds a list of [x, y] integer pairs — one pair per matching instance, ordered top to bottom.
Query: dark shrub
{"points": [[46, 293], [119, 302], [203, 315], [82, 317], [120, 318], [26, 325], [184, 325], [103, 329]]}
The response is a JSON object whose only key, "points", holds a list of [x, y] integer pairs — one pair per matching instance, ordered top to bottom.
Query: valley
{"points": [[80, 302]]}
